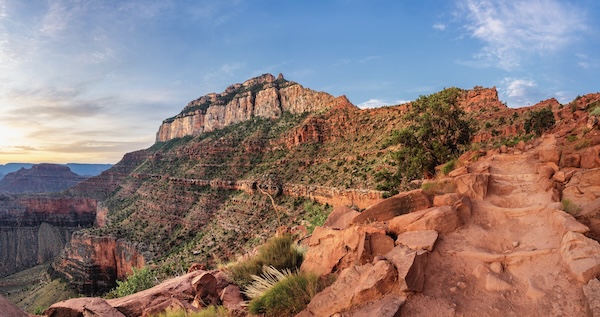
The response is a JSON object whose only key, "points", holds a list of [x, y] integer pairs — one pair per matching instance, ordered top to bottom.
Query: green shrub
{"points": [[595, 112], [539, 121], [572, 138], [448, 167], [569, 206], [316, 214], [279, 252], [139, 280], [284, 294], [39, 310]]}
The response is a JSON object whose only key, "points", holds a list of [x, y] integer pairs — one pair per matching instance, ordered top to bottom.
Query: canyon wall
{"points": [[264, 96], [34, 229], [93, 263]]}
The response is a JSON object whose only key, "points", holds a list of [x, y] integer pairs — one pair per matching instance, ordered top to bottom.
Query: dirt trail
{"points": [[505, 260]]}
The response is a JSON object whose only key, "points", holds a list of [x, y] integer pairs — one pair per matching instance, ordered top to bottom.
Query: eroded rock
{"points": [[396, 205], [340, 218], [442, 219], [418, 240], [582, 256], [410, 265], [82, 307], [9, 309]]}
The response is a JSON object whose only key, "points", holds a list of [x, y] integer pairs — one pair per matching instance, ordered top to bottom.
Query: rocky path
{"points": [[506, 259]]}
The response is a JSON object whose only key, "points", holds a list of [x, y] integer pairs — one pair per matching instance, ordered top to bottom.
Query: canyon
{"points": [[232, 169]]}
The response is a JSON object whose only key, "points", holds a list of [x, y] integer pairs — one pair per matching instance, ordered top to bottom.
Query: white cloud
{"points": [[439, 26], [511, 29], [519, 92], [376, 103]]}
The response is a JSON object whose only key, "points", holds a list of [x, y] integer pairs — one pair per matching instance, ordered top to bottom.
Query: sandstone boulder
{"points": [[549, 154], [590, 158], [570, 160], [458, 172], [473, 185], [583, 187], [446, 199], [396, 205], [340, 218], [443, 219], [564, 222], [418, 240], [331, 250], [582, 256], [410, 265], [205, 286], [354, 286], [591, 291], [162, 295], [231, 298], [389, 306], [82, 307], [9, 309]]}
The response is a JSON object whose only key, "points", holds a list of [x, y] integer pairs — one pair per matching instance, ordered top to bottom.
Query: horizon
{"points": [[88, 82]]}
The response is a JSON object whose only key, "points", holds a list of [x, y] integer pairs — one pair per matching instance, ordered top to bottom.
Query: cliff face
{"points": [[264, 96], [40, 178], [34, 230], [93, 263]]}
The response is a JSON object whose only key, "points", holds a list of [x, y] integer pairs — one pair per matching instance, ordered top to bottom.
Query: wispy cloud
{"points": [[439, 26], [511, 29], [519, 92], [376, 103]]}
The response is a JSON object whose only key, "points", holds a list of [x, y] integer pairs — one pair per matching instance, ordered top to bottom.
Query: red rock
{"points": [[551, 154], [590, 158], [570, 160], [545, 171], [473, 185], [446, 199], [394, 206], [340, 217], [443, 219], [418, 240], [378, 244], [334, 250], [582, 256], [410, 265], [355, 285], [205, 286], [162, 295], [231, 298], [389, 306], [83, 307], [9, 309]]}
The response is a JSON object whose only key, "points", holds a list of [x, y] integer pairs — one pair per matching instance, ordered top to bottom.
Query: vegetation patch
{"points": [[539, 121], [570, 207], [316, 214], [279, 252], [139, 280], [279, 293], [210, 311]]}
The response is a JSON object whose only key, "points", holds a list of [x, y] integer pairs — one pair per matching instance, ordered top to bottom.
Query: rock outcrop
{"points": [[264, 96], [93, 263]]}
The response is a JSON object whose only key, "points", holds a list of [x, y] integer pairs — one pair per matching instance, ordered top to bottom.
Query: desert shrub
{"points": [[595, 112], [539, 121], [436, 132], [572, 138], [582, 144], [448, 167], [440, 187], [569, 206], [315, 214], [280, 252], [139, 280], [283, 293], [39, 310], [210, 311]]}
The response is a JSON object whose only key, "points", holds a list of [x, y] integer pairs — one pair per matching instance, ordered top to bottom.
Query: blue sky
{"points": [[87, 81]]}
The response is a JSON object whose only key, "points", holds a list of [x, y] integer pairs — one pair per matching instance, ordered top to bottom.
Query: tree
{"points": [[539, 121], [437, 128]]}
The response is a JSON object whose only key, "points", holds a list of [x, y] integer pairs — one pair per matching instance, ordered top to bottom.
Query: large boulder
{"points": [[549, 154], [590, 158], [473, 185], [583, 187], [396, 205], [340, 218], [442, 219], [418, 240], [334, 250], [582, 256], [410, 265], [356, 285], [174, 292], [389, 306], [82, 307], [9, 309]]}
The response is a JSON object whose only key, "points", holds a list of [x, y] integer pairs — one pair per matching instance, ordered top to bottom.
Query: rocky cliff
{"points": [[264, 96], [40, 178], [34, 229], [93, 263]]}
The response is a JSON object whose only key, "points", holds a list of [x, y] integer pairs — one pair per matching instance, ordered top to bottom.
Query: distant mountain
{"points": [[77, 168], [88, 169], [40, 178]]}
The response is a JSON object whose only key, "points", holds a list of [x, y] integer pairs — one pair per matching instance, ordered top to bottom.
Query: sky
{"points": [[88, 80]]}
